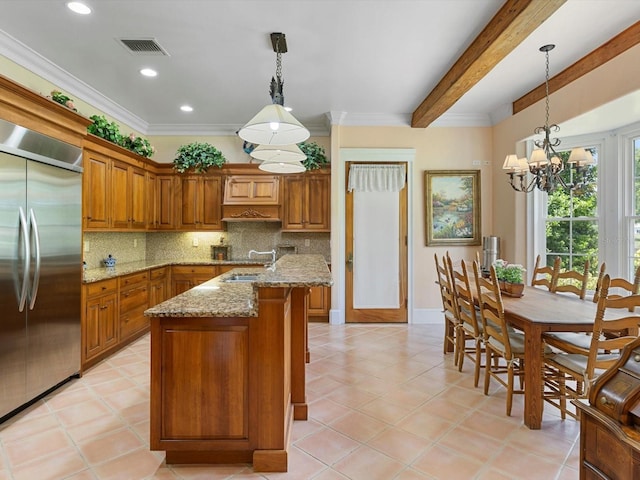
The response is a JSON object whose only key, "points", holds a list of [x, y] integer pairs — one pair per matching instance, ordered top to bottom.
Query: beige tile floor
{"points": [[384, 403]]}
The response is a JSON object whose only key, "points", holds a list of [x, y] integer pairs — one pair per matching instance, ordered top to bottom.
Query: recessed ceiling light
{"points": [[79, 7], [148, 72], [186, 108]]}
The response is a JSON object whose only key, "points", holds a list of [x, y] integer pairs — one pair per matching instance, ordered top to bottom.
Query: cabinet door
{"points": [[96, 180], [138, 196], [294, 197], [166, 198], [120, 200], [151, 203], [209, 203], [317, 203], [189, 205], [180, 284], [157, 292], [319, 302], [109, 321], [92, 328]]}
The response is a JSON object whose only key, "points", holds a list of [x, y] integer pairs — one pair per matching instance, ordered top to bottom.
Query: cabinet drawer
{"points": [[194, 270], [157, 273], [133, 279], [98, 288], [133, 298], [133, 322]]}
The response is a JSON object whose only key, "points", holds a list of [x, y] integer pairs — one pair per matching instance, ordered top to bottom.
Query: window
{"points": [[635, 218], [571, 227]]}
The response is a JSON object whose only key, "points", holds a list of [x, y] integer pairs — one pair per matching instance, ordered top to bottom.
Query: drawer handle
{"points": [[126, 294], [104, 307], [636, 357], [604, 401]]}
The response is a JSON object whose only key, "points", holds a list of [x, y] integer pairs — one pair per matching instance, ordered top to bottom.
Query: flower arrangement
{"points": [[62, 99], [110, 131], [139, 145], [198, 156], [316, 157], [509, 272]]}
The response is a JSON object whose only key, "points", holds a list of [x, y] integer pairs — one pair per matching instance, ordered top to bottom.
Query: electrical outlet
{"points": [[476, 163], [195, 241], [307, 242], [135, 243], [86, 246]]}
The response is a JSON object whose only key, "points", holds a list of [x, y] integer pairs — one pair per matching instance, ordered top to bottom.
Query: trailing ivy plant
{"points": [[102, 128], [198, 156], [316, 158]]}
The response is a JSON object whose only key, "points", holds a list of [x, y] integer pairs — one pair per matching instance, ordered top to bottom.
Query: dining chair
{"points": [[545, 276], [572, 281], [622, 285], [448, 307], [614, 314], [469, 326], [504, 348]]}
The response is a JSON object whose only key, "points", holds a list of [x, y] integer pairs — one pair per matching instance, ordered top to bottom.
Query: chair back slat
{"points": [[545, 276], [572, 281], [464, 296]]}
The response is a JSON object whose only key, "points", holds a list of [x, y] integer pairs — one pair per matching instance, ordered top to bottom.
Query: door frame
{"points": [[338, 255]]}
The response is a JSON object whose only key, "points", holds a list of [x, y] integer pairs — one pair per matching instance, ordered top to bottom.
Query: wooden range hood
{"points": [[251, 198]]}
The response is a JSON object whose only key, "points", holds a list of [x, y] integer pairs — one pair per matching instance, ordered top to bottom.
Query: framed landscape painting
{"points": [[452, 207]]}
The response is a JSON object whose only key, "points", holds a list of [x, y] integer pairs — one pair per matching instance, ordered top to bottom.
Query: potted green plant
{"points": [[59, 97], [102, 128], [138, 145], [198, 157], [316, 157], [512, 276]]}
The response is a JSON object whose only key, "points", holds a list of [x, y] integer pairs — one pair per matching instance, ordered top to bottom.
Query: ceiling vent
{"points": [[143, 46]]}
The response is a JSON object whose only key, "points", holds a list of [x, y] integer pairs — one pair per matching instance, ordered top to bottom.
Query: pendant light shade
{"points": [[273, 125], [275, 153], [282, 167]]}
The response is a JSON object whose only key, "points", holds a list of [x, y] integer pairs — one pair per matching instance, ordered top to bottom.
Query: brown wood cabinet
{"points": [[114, 189], [251, 190], [166, 201], [151, 205], [306, 205], [200, 207], [185, 277], [159, 286], [134, 300], [319, 304], [100, 319]]}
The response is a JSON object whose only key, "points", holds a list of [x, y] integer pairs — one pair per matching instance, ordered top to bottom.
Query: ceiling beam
{"points": [[515, 20], [605, 52]]}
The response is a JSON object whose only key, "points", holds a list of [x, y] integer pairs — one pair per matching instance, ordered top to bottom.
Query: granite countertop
{"points": [[105, 273], [217, 298]]}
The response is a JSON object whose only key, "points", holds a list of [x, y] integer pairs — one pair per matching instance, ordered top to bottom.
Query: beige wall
{"points": [[435, 149]]}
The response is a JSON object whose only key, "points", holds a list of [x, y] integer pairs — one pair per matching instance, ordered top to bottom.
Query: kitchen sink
{"points": [[241, 277]]}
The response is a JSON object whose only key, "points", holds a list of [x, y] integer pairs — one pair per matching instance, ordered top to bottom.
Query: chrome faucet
{"points": [[272, 265]]}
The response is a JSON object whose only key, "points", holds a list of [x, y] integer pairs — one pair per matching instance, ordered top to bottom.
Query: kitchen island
{"points": [[228, 365]]}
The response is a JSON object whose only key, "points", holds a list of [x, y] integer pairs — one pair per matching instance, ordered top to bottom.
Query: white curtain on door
{"points": [[376, 231]]}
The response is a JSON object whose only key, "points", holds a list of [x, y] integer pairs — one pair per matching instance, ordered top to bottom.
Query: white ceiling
{"points": [[362, 62]]}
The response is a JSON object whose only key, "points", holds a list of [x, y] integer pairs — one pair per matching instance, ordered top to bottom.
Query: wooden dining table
{"points": [[536, 312]]}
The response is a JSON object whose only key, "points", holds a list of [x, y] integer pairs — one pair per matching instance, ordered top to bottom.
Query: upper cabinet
{"points": [[115, 189], [251, 198], [306, 204], [200, 207]]}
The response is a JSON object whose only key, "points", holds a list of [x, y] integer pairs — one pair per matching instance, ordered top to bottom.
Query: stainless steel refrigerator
{"points": [[40, 264]]}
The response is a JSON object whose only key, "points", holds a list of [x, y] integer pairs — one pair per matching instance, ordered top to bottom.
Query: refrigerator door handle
{"points": [[27, 259], [36, 275]]}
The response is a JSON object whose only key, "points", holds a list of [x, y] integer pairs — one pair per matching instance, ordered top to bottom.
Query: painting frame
{"points": [[452, 220]]}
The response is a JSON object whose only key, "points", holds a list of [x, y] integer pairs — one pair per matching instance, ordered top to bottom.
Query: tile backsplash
{"points": [[196, 246]]}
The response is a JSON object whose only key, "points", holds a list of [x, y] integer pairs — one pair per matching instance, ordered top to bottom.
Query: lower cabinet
{"points": [[185, 277], [158, 286], [134, 300], [319, 304], [100, 320]]}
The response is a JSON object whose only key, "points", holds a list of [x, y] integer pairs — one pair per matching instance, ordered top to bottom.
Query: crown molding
{"points": [[22, 55]]}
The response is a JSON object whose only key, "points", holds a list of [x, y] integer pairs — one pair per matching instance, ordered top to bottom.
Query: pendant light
{"points": [[273, 125], [280, 158]]}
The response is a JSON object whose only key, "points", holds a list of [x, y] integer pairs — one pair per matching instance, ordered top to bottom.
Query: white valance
{"points": [[377, 178]]}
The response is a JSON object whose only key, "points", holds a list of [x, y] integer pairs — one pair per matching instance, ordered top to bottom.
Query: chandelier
{"points": [[545, 165]]}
